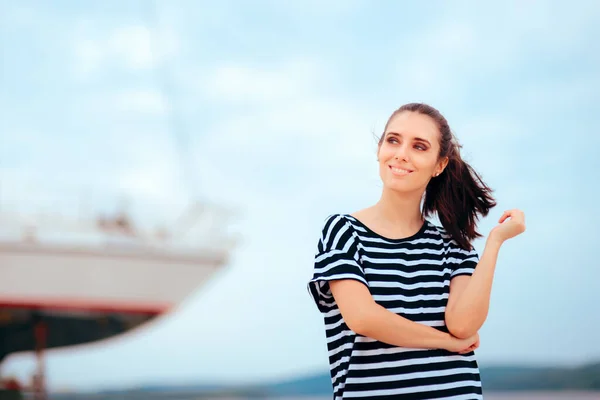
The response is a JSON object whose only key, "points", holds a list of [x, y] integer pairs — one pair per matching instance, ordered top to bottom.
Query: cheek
{"points": [[385, 153], [425, 161]]}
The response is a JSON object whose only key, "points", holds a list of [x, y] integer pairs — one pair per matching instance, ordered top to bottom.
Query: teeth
{"points": [[402, 171]]}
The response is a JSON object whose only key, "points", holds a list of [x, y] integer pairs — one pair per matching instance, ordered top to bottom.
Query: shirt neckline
{"points": [[397, 240]]}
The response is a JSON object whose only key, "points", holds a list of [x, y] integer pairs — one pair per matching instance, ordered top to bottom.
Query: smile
{"points": [[400, 171]]}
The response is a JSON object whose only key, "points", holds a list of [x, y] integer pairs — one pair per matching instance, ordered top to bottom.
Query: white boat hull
{"points": [[142, 279], [93, 281]]}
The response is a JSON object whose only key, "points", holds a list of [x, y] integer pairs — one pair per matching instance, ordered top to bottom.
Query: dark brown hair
{"points": [[458, 195]]}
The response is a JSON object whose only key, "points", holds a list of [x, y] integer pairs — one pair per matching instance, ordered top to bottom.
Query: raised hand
{"points": [[510, 224]]}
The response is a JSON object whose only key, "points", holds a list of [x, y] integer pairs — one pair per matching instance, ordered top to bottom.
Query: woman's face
{"points": [[408, 153]]}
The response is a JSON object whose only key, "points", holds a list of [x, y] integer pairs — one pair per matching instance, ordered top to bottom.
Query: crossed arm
{"points": [[466, 311]]}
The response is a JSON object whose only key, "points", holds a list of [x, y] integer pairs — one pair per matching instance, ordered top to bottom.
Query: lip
{"points": [[400, 173]]}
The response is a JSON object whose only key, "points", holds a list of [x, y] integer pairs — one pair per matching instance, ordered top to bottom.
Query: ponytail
{"points": [[458, 196]]}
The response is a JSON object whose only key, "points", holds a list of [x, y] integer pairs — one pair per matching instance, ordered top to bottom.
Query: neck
{"points": [[400, 209]]}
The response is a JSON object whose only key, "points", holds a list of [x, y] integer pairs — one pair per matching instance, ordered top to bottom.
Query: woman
{"points": [[402, 298]]}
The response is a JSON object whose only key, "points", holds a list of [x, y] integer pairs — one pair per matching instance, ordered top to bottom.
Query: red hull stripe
{"points": [[75, 304]]}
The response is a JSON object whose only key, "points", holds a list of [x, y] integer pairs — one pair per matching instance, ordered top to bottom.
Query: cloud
{"points": [[315, 8], [21, 15], [485, 43], [132, 47], [258, 85], [574, 93], [144, 101], [283, 125]]}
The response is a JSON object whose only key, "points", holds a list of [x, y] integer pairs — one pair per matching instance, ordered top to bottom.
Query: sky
{"points": [[271, 108]]}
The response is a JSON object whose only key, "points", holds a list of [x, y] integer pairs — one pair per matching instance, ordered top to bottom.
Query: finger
{"points": [[514, 214], [504, 217], [468, 349]]}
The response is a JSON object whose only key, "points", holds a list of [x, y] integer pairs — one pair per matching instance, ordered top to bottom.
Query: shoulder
{"points": [[362, 214], [333, 219], [335, 222], [350, 222], [339, 224], [439, 232], [337, 233], [445, 238], [452, 247]]}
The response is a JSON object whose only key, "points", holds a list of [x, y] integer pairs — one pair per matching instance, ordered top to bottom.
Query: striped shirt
{"points": [[410, 277]]}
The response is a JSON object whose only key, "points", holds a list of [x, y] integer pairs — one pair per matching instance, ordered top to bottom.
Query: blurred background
{"points": [[165, 168]]}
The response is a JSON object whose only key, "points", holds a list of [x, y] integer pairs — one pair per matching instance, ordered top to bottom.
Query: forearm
{"points": [[469, 311], [388, 327]]}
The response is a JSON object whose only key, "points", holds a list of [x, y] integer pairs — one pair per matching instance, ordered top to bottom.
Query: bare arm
{"points": [[469, 300], [365, 317]]}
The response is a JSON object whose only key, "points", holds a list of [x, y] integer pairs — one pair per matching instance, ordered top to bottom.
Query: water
{"points": [[187, 396], [502, 396], [516, 396], [544, 396]]}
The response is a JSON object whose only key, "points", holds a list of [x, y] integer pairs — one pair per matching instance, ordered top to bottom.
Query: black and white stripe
{"points": [[410, 277]]}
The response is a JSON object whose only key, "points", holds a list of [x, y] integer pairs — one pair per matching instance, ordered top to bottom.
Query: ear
{"points": [[441, 166]]}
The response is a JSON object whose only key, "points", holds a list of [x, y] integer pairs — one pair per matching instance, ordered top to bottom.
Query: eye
{"points": [[392, 140], [421, 147]]}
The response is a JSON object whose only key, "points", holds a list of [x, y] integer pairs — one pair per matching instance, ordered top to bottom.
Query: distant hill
{"points": [[494, 378], [500, 378]]}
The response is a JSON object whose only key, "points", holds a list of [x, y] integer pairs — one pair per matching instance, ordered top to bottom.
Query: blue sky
{"points": [[278, 103]]}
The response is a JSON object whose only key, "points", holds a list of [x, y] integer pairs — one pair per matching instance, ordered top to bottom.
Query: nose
{"points": [[401, 153]]}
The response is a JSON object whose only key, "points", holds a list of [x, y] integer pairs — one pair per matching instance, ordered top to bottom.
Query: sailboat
{"points": [[69, 282]]}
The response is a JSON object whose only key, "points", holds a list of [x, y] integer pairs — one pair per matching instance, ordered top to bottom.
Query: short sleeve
{"points": [[336, 258], [463, 261]]}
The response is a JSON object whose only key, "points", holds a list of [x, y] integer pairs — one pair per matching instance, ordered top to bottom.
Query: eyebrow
{"points": [[416, 138]]}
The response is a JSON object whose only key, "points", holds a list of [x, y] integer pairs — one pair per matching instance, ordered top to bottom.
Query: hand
{"points": [[509, 228], [462, 346], [473, 347]]}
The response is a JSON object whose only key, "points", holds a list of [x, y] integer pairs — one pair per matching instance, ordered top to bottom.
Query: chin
{"points": [[400, 187]]}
